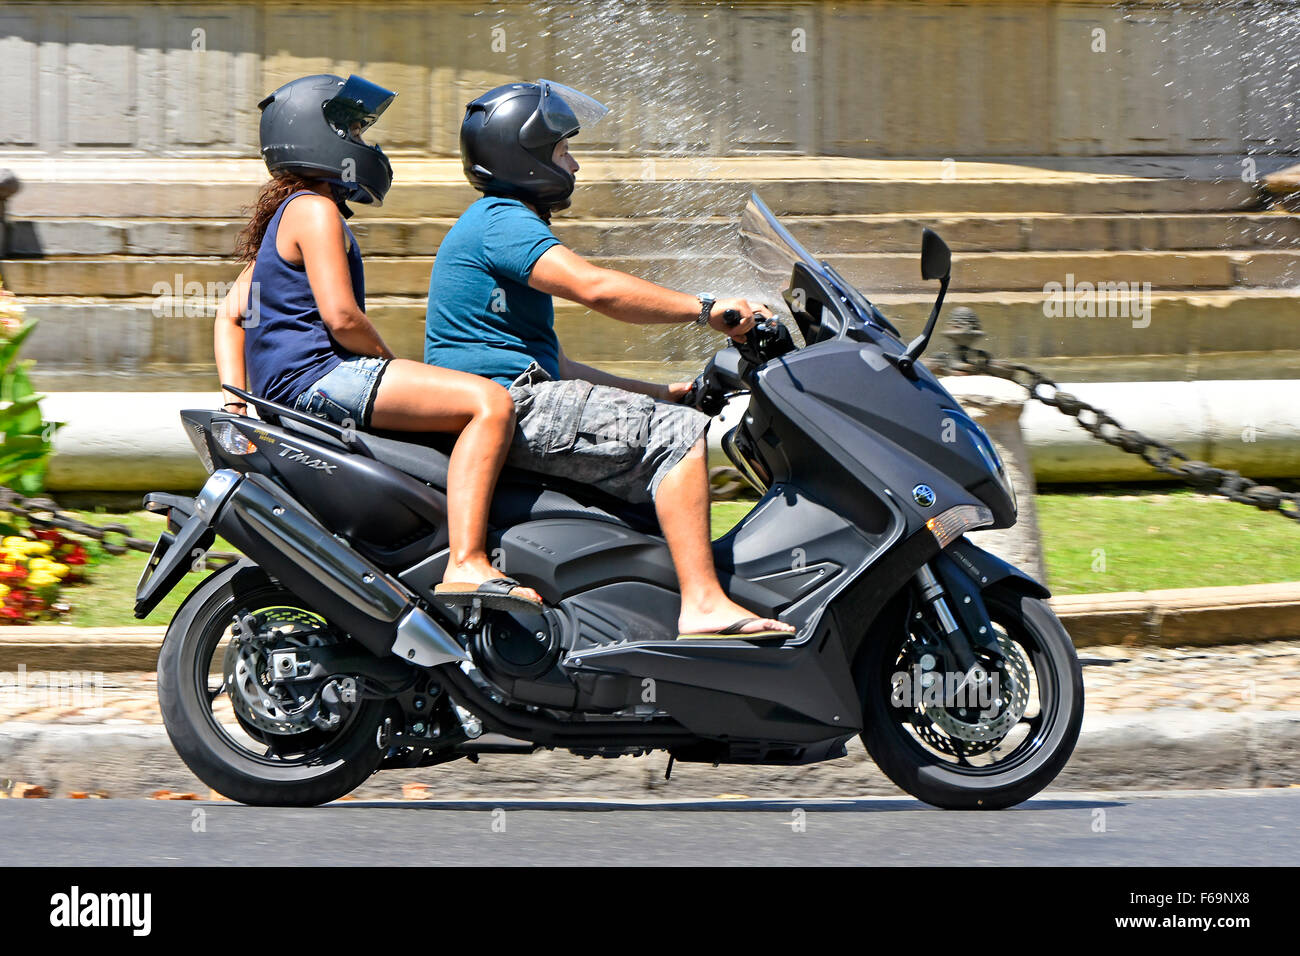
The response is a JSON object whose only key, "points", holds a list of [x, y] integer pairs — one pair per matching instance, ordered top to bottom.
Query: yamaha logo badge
{"points": [[923, 495]]}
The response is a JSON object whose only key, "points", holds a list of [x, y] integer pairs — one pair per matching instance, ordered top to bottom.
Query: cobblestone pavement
{"points": [[1118, 680]]}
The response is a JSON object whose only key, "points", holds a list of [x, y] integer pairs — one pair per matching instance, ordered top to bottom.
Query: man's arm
{"points": [[560, 271], [664, 393]]}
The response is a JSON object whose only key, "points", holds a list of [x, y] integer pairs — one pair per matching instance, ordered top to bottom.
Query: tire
{"points": [[340, 761], [924, 774]]}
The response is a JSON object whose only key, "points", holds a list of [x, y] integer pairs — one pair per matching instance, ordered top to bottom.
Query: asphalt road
{"points": [[1197, 828]]}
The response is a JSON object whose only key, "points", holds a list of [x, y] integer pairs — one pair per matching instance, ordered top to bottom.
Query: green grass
{"points": [[1148, 540], [1138, 542]]}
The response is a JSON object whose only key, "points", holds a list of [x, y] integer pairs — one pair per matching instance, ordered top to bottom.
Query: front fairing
{"points": [[906, 429], [902, 432]]}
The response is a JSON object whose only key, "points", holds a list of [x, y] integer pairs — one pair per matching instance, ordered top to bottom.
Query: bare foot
{"points": [[476, 571], [724, 614]]}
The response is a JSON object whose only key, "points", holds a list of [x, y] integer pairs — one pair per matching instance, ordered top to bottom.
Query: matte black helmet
{"points": [[312, 127], [508, 138]]}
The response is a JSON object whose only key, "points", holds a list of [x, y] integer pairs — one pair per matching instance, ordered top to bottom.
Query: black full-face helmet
{"points": [[312, 127], [509, 135]]}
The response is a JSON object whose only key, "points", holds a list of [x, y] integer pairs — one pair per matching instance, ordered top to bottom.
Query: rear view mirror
{"points": [[936, 259], [936, 263]]}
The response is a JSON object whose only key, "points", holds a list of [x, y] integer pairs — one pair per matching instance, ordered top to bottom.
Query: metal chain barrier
{"points": [[1164, 458], [114, 538]]}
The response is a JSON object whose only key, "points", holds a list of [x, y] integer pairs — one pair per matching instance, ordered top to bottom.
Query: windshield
{"points": [[770, 249], [773, 253]]}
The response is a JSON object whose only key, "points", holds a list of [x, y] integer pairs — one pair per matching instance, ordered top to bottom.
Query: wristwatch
{"points": [[706, 308]]}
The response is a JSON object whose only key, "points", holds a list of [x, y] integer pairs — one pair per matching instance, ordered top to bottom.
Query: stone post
{"points": [[996, 405]]}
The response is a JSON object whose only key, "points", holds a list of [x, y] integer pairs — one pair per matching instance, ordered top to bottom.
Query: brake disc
{"points": [[255, 696], [1010, 698]]}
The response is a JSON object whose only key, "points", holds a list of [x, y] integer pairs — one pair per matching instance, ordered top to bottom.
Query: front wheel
{"points": [[244, 733], [952, 747]]}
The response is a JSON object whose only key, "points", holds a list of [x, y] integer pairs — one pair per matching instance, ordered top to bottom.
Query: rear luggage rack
{"points": [[274, 412]]}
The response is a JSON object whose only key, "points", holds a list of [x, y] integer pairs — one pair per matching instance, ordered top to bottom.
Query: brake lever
{"points": [[753, 338]]}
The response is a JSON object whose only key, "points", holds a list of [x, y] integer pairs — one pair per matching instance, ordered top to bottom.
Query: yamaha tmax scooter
{"points": [[291, 675]]}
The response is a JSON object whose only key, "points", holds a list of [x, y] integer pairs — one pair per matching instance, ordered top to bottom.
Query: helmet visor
{"points": [[357, 105], [564, 110]]}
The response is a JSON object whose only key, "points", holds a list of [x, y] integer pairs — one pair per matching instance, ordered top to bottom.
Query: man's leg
{"points": [[584, 433], [682, 503]]}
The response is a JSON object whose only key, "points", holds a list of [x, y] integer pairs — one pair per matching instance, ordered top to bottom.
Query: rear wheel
{"points": [[244, 733], [987, 751]]}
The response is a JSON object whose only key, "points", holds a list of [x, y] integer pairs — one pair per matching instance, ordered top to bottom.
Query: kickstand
{"points": [[669, 772]]}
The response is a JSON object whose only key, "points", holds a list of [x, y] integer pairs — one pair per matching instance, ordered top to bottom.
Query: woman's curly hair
{"points": [[274, 192]]}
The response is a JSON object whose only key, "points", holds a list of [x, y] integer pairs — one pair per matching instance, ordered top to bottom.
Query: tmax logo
{"points": [[297, 454], [923, 495]]}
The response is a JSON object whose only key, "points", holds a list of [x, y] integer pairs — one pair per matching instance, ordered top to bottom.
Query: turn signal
{"points": [[955, 522]]}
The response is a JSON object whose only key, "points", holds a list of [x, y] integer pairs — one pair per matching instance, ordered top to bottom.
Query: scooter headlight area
{"points": [[980, 439], [991, 458]]}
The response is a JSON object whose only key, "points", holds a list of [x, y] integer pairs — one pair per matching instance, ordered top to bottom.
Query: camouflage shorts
{"points": [[619, 441]]}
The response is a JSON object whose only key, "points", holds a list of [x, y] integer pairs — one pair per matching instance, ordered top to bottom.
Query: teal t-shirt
{"points": [[482, 316]]}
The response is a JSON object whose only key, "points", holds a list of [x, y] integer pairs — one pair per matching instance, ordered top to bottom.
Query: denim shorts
{"points": [[346, 394], [619, 441]]}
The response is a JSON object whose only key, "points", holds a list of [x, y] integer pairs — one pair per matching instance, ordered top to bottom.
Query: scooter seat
{"points": [[520, 495]]}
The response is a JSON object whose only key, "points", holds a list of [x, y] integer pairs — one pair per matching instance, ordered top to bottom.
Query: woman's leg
{"points": [[414, 397]]}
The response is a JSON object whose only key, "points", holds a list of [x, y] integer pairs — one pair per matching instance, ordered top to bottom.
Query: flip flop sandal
{"points": [[493, 593], [733, 632]]}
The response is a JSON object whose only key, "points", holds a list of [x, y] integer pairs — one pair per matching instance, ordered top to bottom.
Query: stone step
{"points": [[621, 188], [621, 200], [826, 235], [872, 272], [142, 344]]}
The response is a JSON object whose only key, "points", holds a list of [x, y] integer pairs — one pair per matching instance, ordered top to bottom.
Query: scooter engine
{"points": [[523, 649]]}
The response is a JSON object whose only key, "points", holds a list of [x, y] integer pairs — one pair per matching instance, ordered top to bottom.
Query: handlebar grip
{"points": [[731, 317]]}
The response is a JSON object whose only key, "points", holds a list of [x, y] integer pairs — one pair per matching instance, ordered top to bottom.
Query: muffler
{"points": [[373, 607]]}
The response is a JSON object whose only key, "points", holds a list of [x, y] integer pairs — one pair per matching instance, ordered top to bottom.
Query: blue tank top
{"points": [[287, 348]]}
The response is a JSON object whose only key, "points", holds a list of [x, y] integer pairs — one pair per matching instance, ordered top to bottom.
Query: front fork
{"points": [[963, 631]]}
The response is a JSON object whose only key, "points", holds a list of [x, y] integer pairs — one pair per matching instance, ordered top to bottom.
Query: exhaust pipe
{"points": [[371, 605]]}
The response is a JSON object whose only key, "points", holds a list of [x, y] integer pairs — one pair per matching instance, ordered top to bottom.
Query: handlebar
{"points": [[765, 341]]}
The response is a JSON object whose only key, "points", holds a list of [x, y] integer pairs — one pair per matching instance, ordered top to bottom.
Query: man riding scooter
{"points": [[490, 312]]}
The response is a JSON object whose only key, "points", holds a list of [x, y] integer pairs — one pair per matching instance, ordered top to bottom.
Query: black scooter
{"points": [[290, 676]]}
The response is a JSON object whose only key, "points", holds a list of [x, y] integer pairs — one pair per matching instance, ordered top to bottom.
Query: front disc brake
{"points": [[987, 719]]}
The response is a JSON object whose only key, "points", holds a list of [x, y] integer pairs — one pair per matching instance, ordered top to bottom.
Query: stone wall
{"points": [[872, 78]]}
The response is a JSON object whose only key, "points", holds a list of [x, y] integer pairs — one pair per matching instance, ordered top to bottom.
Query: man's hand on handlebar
{"points": [[725, 313], [675, 392]]}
